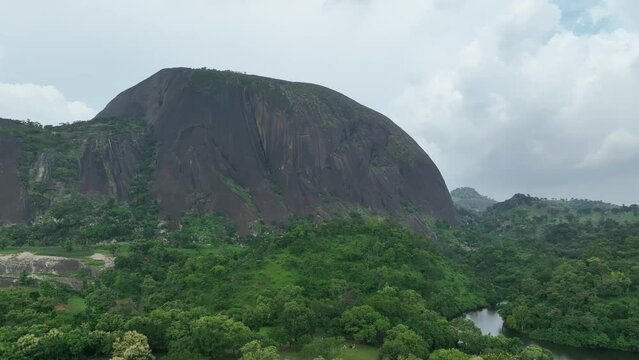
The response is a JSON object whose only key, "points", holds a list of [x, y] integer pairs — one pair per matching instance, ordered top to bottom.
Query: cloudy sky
{"points": [[532, 96]]}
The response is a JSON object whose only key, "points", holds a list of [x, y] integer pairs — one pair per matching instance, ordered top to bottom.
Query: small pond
{"points": [[490, 323]]}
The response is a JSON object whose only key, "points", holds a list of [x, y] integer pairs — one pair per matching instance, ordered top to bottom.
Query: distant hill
{"points": [[469, 199], [576, 205], [525, 207]]}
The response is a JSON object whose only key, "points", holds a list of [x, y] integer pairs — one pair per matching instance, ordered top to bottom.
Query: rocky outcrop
{"points": [[249, 148], [254, 148], [40, 166], [107, 166], [12, 199], [516, 201], [16, 264], [56, 268]]}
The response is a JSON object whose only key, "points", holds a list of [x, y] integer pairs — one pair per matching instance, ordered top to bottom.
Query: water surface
{"points": [[491, 323]]}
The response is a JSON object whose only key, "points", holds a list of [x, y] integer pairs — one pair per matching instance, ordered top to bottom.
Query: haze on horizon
{"points": [[532, 96]]}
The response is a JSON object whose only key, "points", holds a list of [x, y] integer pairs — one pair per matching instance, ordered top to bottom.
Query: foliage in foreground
{"points": [[567, 274], [308, 287], [200, 292]]}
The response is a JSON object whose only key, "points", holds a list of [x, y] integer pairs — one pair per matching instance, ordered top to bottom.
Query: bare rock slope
{"points": [[247, 147], [254, 148], [12, 204]]}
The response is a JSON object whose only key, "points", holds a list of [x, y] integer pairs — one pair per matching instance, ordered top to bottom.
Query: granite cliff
{"points": [[247, 147]]}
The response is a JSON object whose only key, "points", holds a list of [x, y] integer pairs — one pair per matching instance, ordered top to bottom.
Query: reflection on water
{"points": [[488, 321], [491, 323]]}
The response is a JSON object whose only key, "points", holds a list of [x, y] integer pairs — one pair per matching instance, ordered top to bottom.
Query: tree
{"points": [[4, 241], [68, 245], [25, 279], [615, 283], [100, 300], [260, 313], [296, 320], [110, 322], [365, 324], [153, 326], [213, 335], [77, 341], [402, 341], [53, 345], [132, 346], [28, 347], [254, 351], [535, 352], [448, 354], [499, 355], [409, 357]]}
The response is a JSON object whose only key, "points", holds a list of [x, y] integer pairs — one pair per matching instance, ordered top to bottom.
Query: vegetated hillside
{"points": [[252, 149], [44, 165], [469, 199], [11, 205], [579, 205], [559, 210], [569, 270], [204, 294]]}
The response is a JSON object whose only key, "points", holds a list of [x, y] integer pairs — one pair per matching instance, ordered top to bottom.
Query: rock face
{"points": [[246, 147], [254, 148], [41, 165], [106, 167], [12, 202], [15, 264], [56, 268]]}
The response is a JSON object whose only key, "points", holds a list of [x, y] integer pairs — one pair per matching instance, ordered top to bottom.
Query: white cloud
{"points": [[599, 12], [624, 13], [504, 95], [44, 104], [527, 104], [619, 147]]}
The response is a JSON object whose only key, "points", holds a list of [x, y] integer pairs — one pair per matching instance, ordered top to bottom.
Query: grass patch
{"points": [[242, 192], [209, 249], [93, 262], [270, 273], [276, 274], [76, 304], [360, 352]]}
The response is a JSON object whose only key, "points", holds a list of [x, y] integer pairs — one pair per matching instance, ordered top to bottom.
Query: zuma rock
{"points": [[246, 147], [253, 148], [12, 200]]}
